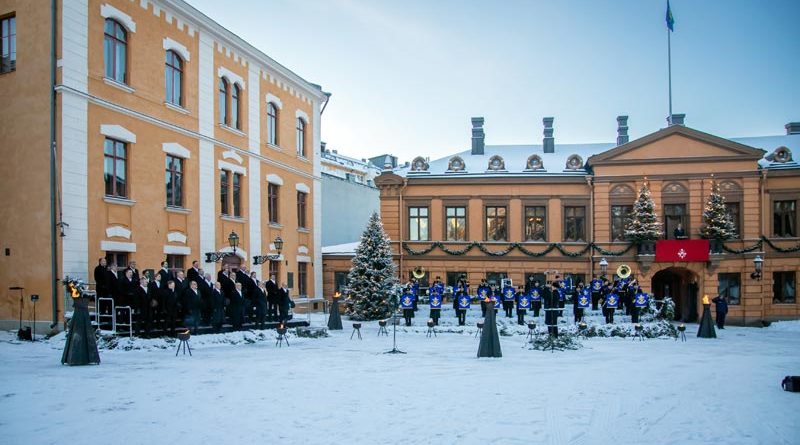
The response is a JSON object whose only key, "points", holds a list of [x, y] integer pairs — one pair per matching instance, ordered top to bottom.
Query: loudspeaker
{"points": [[24, 333], [791, 383]]}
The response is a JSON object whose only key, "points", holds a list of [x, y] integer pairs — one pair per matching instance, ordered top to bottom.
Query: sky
{"points": [[407, 76]]}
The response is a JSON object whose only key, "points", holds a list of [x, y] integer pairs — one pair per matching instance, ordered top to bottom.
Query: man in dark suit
{"points": [[132, 266], [194, 272], [165, 274], [100, 278], [112, 280], [181, 285], [205, 285], [127, 289], [170, 298], [272, 298], [237, 299], [284, 303], [192, 304], [261, 305], [551, 305], [155, 306], [218, 316], [141, 320]]}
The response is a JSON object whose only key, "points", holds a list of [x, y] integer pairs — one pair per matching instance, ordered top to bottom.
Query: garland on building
{"points": [[718, 224], [643, 225], [514, 246], [371, 283]]}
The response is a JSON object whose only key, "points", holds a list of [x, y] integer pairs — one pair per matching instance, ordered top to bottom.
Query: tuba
{"points": [[623, 271], [418, 272]]}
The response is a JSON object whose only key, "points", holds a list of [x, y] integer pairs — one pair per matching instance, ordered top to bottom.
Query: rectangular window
{"points": [[8, 30], [272, 124], [301, 137], [115, 168], [174, 181], [224, 185], [237, 194], [272, 203], [732, 208], [301, 209], [619, 214], [674, 215], [785, 218], [418, 223], [456, 223], [495, 223], [535, 223], [574, 223], [118, 258], [175, 263], [275, 269], [302, 270], [453, 277], [496, 278], [290, 280], [340, 281], [730, 286], [784, 288]]}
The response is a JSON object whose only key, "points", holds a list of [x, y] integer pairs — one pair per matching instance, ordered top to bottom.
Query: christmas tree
{"points": [[643, 223], [718, 224], [371, 282]]}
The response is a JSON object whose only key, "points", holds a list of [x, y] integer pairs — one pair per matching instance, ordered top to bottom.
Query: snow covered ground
{"points": [[240, 388]]}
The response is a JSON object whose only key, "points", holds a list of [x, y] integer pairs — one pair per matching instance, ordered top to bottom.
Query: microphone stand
{"points": [[394, 332]]}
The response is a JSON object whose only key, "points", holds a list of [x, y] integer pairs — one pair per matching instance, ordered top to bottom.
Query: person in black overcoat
{"points": [[194, 272], [165, 274], [136, 276], [101, 278], [112, 279], [181, 285], [204, 285], [271, 286], [127, 289], [170, 298], [218, 298], [237, 300], [155, 305], [192, 305], [261, 305], [721, 305], [551, 306], [140, 307]]}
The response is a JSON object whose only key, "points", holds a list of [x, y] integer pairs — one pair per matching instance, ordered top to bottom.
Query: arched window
{"points": [[115, 51], [173, 77], [223, 101], [235, 121], [272, 124], [301, 137]]}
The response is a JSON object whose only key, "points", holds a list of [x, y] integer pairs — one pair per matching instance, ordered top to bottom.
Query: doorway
{"points": [[680, 284]]}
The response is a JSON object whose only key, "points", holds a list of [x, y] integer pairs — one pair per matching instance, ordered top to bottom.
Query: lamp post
{"points": [[233, 240], [215, 257], [261, 259], [758, 263], [603, 266]]}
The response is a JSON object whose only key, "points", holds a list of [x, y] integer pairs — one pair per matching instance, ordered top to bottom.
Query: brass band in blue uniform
{"points": [[415, 291], [597, 291], [483, 292], [435, 295], [536, 298], [461, 300], [508, 300], [580, 301], [640, 301], [610, 303], [407, 304], [523, 304]]}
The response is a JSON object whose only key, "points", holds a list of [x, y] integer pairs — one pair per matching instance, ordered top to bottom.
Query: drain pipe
{"points": [[53, 232], [400, 245]]}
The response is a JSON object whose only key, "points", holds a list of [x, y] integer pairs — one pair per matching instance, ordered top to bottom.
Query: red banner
{"points": [[682, 250]]}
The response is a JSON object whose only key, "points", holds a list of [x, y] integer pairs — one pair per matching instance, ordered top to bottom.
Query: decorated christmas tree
{"points": [[718, 224], [643, 225], [371, 283]]}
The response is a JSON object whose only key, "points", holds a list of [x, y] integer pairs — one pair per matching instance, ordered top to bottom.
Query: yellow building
{"points": [[144, 130], [519, 211]]}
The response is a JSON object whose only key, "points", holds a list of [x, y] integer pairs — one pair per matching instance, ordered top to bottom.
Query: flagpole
{"points": [[669, 69]]}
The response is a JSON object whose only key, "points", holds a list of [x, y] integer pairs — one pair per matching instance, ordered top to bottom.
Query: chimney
{"points": [[676, 119], [793, 128], [622, 130], [477, 136], [548, 143], [322, 146]]}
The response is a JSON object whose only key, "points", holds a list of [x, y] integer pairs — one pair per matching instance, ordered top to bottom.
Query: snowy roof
{"points": [[515, 159], [341, 249]]}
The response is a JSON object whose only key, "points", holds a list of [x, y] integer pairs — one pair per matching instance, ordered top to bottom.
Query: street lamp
{"points": [[233, 240], [261, 259], [758, 262], [603, 266]]}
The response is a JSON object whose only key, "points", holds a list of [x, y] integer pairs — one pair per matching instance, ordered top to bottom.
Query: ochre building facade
{"points": [[144, 131], [509, 211]]}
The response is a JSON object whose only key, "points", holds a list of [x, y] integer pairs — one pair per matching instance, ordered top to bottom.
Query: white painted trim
{"points": [[110, 12], [170, 44], [230, 76], [275, 100], [302, 114], [206, 127], [118, 132], [176, 149], [232, 155], [222, 165], [272, 178], [302, 187], [118, 231], [176, 237], [117, 246], [302, 249], [177, 250], [239, 252], [303, 259]]}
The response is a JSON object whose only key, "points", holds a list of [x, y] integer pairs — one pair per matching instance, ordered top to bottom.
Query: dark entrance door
{"points": [[233, 261], [679, 284]]}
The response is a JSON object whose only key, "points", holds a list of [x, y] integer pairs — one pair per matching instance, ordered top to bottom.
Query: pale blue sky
{"points": [[406, 76]]}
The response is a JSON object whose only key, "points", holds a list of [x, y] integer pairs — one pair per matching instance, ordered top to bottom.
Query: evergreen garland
{"points": [[718, 222], [643, 225], [371, 283]]}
